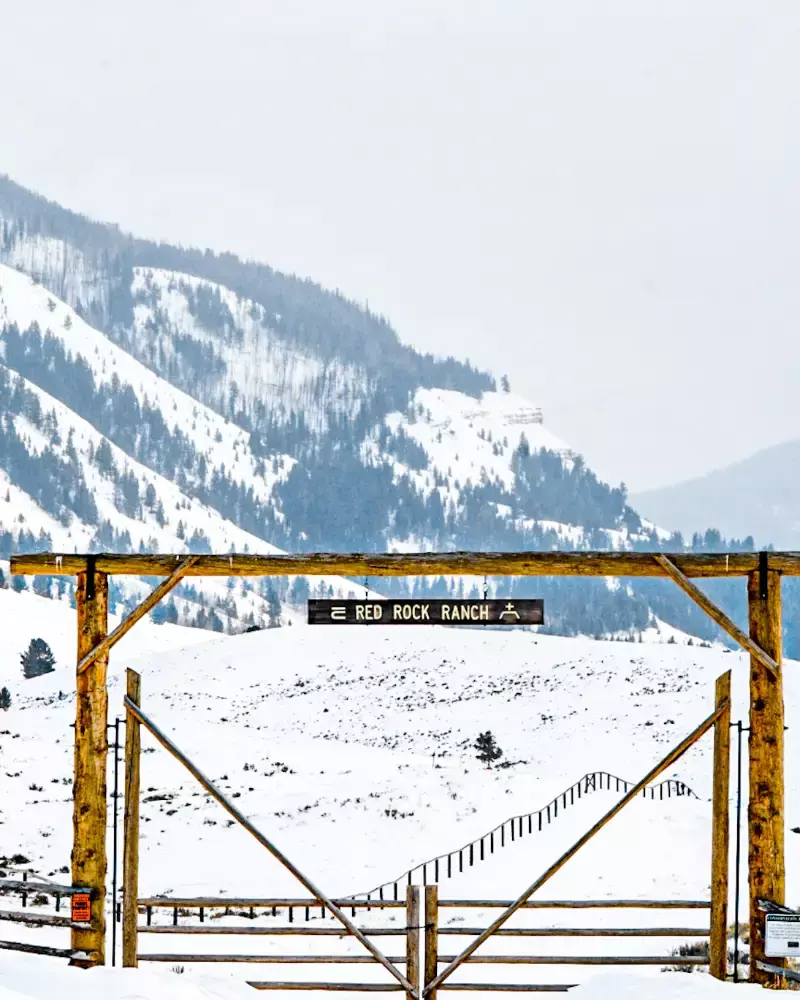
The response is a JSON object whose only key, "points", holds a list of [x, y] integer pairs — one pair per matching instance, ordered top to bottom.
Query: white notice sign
{"points": [[783, 935]]}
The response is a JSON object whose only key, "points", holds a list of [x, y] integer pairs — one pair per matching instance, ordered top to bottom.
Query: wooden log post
{"points": [[765, 818], [130, 849], [89, 862], [431, 936], [412, 939], [718, 944]]}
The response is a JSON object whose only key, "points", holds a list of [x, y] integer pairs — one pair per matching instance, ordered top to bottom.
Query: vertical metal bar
{"points": [[471, 855], [461, 861], [449, 865], [436, 871], [202, 914], [149, 915], [175, 916]]}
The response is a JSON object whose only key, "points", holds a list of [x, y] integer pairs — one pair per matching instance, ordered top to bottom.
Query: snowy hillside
{"points": [[157, 397], [326, 733], [353, 751]]}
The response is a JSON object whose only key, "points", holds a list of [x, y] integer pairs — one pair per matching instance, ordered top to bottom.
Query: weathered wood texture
{"points": [[413, 564], [138, 613], [716, 613], [91, 749], [674, 754], [765, 814], [720, 840], [130, 848], [16, 887], [226, 903], [580, 904], [40, 919], [296, 930], [690, 932], [431, 936], [412, 939], [41, 949], [268, 959], [577, 960], [331, 987], [511, 987]]}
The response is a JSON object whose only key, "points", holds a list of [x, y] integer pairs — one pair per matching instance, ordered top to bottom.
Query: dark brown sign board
{"points": [[426, 612], [81, 908]]}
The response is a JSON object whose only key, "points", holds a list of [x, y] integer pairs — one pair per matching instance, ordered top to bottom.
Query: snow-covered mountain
{"points": [[179, 400]]}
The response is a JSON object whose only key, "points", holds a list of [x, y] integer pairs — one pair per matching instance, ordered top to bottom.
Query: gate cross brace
{"points": [[139, 612], [715, 612], [675, 754], [212, 790]]}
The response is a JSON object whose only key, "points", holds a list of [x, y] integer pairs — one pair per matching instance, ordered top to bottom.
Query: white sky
{"points": [[601, 197]]}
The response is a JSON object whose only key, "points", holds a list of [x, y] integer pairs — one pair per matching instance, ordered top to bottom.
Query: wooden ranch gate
{"points": [[763, 641], [133, 905]]}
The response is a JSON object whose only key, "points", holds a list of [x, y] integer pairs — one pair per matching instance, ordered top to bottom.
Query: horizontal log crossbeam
{"points": [[589, 563]]}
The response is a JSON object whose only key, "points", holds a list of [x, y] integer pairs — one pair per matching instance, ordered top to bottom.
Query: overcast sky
{"points": [[601, 198]]}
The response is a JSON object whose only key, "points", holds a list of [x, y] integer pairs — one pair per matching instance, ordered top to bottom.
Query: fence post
{"points": [[765, 816], [89, 822], [130, 849], [431, 936], [412, 937], [718, 944]]}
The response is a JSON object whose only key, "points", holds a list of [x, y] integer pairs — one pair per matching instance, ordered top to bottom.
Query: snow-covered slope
{"points": [[160, 397], [327, 734], [353, 752]]}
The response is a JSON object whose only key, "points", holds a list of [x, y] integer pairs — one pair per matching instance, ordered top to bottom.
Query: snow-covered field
{"points": [[351, 749]]}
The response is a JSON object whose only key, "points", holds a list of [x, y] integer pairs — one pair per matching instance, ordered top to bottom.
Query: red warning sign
{"points": [[81, 908]]}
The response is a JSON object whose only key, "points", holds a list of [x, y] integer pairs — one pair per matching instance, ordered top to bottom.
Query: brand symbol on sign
{"points": [[510, 612]]}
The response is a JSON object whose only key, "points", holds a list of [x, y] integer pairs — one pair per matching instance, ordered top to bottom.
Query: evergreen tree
{"points": [[273, 609], [37, 659], [5, 699], [488, 750]]}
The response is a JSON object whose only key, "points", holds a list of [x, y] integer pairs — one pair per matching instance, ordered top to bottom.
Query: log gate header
{"points": [[763, 641]]}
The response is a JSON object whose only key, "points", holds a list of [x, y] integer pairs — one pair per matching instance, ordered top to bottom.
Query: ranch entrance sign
{"points": [[428, 612], [762, 640]]}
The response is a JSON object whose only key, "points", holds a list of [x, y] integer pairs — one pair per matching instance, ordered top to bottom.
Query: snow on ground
{"points": [[352, 750], [34, 979]]}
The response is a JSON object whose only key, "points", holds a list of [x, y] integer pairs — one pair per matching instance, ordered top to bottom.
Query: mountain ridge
{"points": [[219, 404], [767, 491]]}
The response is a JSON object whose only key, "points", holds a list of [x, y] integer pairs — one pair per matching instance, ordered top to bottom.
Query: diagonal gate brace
{"points": [[139, 612], [715, 612], [674, 754], [212, 790]]}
